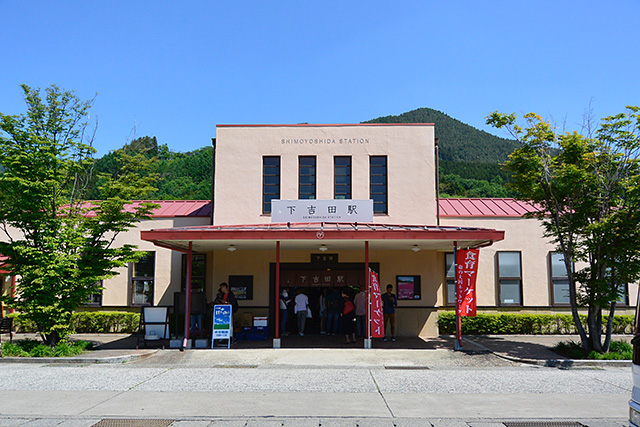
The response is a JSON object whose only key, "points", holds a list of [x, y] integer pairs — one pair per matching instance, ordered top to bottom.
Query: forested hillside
{"points": [[469, 158], [469, 161]]}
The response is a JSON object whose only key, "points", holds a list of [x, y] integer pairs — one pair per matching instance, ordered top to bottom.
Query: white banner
{"points": [[344, 210]]}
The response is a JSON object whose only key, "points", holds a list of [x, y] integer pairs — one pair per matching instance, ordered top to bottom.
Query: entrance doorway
{"points": [[314, 279]]}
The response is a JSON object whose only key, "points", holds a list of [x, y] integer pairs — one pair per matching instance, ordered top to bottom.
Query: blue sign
{"points": [[222, 322]]}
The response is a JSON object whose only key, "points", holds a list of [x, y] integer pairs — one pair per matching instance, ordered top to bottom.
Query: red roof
{"points": [[181, 208], [485, 208]]}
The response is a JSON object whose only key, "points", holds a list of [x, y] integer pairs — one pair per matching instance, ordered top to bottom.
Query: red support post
{"points": [[367, 276], [187, 299], [277, 325], [458, 345]]}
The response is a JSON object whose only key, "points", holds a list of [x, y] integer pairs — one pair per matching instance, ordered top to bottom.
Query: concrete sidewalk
{"points": [[331, 351]]}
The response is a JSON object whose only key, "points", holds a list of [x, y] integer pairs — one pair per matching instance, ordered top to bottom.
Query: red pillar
{"points": [[367, 276], [187, 299], [277, 325], [458, 345]]}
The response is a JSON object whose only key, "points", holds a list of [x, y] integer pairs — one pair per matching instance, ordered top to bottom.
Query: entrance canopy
{"points": [[332, 236]]}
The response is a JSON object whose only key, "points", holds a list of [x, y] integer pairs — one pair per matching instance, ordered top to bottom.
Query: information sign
{"points": [[340, 210], [222, 323]]}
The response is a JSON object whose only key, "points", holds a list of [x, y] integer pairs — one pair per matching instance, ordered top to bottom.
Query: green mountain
{"points": [[459, 142]]}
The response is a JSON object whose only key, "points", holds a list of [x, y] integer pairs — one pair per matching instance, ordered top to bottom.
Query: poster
{"points": [[222, 321]]}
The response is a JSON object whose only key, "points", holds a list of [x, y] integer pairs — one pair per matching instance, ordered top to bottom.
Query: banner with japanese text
{"points": [[466, 275], [375, 315]]}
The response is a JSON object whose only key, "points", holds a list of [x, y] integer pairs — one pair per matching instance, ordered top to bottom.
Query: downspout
{"points": [[437, 153], [213, 175]]}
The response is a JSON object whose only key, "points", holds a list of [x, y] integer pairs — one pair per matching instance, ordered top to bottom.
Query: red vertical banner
{"points": [[466, 274], [376, 318]]}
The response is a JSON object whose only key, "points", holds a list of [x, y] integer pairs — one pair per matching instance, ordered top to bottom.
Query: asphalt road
{"points": [[444, 389]]}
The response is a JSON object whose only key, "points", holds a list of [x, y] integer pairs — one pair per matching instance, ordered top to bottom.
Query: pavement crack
{"points": [[125, 391], [384, 399]]}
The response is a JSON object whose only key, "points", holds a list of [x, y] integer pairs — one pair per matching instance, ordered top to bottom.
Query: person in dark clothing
{"points": [[226, 296], [389, 304], [335, 305], [348, 317]]}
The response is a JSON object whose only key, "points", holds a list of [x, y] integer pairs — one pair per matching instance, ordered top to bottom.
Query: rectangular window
{"points": [[307, 177], [342, 177], [270, 181], [378, 183], [198, 272], [510, 278], [451, 279], [559, 279], [142, 280], [95, 299]]}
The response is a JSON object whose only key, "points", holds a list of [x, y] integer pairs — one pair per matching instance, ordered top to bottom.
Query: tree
{"points": [[588, 191], [59, 245]]}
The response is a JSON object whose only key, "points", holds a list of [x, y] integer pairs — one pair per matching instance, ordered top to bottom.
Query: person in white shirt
{"points": [[301, 304]]}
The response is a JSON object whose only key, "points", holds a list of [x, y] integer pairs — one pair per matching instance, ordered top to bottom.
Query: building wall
{"points": [[410, 151]]}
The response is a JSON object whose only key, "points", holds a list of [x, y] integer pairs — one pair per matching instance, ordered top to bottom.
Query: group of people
{"points": [[338, 311]]}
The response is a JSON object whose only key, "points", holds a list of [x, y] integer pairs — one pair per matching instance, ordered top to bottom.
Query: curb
{"points": [[81, 360], [557, 363]]}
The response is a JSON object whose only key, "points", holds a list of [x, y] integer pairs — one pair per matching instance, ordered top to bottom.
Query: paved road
{"points": [[313, 388]]}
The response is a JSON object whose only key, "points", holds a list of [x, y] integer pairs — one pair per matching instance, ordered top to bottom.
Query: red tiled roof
{"points": [[180, 208], [484, 208]]}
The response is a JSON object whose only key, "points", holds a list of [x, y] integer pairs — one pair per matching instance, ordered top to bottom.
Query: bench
{"points": [[6, 326]]}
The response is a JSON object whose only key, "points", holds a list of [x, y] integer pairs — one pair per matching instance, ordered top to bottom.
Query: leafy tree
{"points": [[588, 190], [59, 245]]}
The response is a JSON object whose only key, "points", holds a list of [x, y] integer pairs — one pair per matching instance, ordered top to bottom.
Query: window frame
{"points": [[314, 175], [385, 185], [345, 195], [266, 205], [195, 258], [134, 278], [500, 279], [553, 279], [449, 280], [91, 302]]}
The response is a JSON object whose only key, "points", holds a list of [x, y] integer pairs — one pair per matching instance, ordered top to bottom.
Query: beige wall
{"points": [[410, 151]]}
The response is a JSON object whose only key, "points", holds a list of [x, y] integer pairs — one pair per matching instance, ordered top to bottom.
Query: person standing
{"points": [[360, 301], [301, 304], [389, 304], [335, 305], [284, 311], [322, 311], [348, 317]]}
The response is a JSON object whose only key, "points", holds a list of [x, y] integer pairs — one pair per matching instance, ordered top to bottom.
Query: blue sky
{"points": [[176, 69]]}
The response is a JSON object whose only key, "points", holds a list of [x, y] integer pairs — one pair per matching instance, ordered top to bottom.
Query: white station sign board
{"points": [[342, 210]]}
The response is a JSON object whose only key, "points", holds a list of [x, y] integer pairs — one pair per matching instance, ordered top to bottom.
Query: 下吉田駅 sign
{"points": [[342, 210]]}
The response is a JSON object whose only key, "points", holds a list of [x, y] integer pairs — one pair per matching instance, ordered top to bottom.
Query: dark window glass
{"points": [[307, 177], [342, 177], [270, 181], [378, 183], [198, 272], [510, 278], [451, 279], [559, 279], [142, 282]]}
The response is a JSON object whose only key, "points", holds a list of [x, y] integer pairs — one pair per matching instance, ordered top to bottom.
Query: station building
{"points": [[315, 206]]}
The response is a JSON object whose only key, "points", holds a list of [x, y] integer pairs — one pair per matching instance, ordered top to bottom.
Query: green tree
{"points": [[588, 191], [59, 245]]}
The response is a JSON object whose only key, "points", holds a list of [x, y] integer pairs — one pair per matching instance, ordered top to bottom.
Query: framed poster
{"points": [[242, 287], [408, 287]]}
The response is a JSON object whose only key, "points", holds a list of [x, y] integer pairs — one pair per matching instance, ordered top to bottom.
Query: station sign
{"points": [[339, 210]]}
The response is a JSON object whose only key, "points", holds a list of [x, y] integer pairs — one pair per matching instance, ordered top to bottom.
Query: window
{"points": [[307, 177], [342, 177], [270, 181], [378, 183], [198, 272], [510, 278], [451, 279], [559, 279], [142, 280], [95, 299]]}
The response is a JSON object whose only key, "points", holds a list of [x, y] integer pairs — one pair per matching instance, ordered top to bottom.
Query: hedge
{"points": [[90, 322], [524, 324]]}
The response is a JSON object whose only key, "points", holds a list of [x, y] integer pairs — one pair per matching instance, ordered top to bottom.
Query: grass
{"points": [[34, 348], [618, 350]]}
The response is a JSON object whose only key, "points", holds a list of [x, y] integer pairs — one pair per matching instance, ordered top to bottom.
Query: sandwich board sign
{"points": [[222, 323]]}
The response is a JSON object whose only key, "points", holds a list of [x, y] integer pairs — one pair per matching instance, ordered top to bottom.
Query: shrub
{"points": [[89, 322], [523, 323], [34, 348], [618, 350]]}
